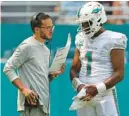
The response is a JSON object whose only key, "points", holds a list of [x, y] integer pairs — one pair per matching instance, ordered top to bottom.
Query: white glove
{"points": [[77, 103]]}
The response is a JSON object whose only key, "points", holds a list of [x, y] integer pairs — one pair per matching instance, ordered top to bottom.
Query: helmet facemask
{"points": [[89, 28], [86, 29]]}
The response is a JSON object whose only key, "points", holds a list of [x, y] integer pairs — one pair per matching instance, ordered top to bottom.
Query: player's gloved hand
{"points": [[91, 91], [30, 96]]}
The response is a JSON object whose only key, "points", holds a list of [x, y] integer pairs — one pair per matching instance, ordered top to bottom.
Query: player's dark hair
{"points": [[37, 18]]}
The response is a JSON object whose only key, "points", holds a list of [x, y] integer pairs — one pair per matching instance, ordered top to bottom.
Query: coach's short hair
{"points": [[37, 18]]}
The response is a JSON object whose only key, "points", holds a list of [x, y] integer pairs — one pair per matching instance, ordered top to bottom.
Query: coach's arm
{"points": [[15, 61]]}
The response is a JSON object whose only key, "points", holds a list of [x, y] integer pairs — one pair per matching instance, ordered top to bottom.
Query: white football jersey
{"points": [[95, 55]]}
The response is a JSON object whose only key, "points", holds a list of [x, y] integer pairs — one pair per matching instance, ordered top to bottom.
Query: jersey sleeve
{"points": [[119, 42]]}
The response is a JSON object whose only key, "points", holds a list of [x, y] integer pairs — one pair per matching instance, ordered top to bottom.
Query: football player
{"points": [[98, 63]]}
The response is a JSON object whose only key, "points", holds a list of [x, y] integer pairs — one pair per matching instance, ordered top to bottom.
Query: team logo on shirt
{"points": [[80, 43]]}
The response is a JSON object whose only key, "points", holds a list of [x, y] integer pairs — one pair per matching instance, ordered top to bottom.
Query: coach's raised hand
{"points": [[52, 75]]}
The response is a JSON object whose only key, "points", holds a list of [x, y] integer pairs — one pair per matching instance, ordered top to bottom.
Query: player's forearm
{"points": [[73, 73], [74, 78], [114, 79], [18, 83]]}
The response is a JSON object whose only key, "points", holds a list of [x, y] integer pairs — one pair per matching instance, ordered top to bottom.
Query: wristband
{"points": [[76, 82], [101, 87]]}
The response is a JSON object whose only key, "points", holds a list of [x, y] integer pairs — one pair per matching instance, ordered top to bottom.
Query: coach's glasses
{"points": [[49, 27]]}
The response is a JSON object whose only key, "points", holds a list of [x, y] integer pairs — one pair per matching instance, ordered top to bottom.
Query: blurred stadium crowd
{"points": [[63, 12]]}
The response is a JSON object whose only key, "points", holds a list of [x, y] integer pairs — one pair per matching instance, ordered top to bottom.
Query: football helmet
{"points": [[91, 16]]}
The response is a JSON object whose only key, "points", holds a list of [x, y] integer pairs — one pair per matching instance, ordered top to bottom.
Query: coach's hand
{"points": [[62, 69], [54, 74], [91, 91], [30, 96]]}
